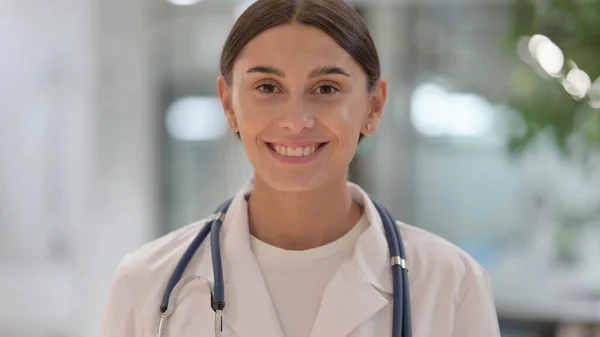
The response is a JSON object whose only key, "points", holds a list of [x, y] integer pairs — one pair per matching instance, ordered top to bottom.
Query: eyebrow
{"points": [[327, 70]]}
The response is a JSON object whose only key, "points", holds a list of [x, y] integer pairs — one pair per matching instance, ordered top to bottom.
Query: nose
{"points": [[296, 116]]}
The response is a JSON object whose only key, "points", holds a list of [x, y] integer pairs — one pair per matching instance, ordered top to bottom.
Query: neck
{"points": [[301, 220]]}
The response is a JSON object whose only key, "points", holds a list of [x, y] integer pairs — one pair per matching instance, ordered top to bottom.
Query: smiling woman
{"points": [[305, 252]]}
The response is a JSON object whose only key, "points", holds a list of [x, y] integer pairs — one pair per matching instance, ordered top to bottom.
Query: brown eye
{"points": [[267, 88], [327, 90]]}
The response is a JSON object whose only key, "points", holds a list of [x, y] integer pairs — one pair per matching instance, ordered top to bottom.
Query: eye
{"points": [[267, 88], [326, 89]]}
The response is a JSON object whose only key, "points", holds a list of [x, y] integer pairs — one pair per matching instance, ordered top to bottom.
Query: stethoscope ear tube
{"points": [[189, 253], [182, 264], [218, 301], [406, 313], [401, 326]]}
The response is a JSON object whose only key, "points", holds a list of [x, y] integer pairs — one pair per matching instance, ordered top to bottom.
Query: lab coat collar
{"points": [[372, 255], [352, 296]]}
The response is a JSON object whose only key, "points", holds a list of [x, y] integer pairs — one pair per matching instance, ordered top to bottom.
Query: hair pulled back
{"points": [[334, 17]]}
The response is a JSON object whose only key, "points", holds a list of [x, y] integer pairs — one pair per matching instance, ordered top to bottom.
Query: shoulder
{"points": [[170, 246], [435, 259], [148, 268], [139, 281]]}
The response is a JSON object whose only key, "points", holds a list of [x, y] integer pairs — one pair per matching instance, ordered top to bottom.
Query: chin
{"points": [[293, 185]]}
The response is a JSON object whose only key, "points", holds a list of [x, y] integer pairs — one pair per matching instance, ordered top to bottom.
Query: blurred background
{"points": [[111, 135]]}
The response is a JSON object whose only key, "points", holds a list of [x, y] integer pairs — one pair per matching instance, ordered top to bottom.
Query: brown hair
{"points": [[334, 17]]}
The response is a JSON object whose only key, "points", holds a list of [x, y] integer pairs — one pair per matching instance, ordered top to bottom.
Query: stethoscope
{"points": [[401, 325]]}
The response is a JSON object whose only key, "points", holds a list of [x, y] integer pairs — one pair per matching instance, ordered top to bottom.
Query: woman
{"points": [[303, 250]]}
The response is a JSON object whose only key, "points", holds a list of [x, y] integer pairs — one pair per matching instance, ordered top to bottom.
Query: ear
{"points": [[225, 96], [377, 98]]}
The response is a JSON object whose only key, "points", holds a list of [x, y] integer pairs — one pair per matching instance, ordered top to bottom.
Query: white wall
{"points": [[45, 109], [77, 158]]}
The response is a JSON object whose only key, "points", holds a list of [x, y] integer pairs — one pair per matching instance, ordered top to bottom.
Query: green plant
{"points": [[542, 101]]}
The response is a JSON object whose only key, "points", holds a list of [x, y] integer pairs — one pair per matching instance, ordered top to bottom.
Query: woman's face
{"points": [[299, 102]]}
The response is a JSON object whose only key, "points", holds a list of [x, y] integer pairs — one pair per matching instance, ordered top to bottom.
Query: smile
{"points": [[296, 153]]}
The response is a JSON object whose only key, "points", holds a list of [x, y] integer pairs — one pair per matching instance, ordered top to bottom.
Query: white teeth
{"points": [[295, 151]]}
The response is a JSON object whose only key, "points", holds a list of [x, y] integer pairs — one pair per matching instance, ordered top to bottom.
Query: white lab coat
{"points": [[450, 292]]}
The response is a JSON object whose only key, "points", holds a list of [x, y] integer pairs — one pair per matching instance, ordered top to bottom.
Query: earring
{"points": [[233, 124], [369, 127]]}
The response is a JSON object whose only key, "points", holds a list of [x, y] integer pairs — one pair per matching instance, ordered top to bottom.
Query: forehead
{"points": [[296, 47]]}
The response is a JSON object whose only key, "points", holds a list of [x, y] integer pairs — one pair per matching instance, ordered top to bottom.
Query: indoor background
{"points": [[111, 135]]}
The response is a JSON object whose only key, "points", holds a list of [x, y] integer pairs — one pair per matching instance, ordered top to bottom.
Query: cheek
{"points": [[252, 116], [347, 122]]}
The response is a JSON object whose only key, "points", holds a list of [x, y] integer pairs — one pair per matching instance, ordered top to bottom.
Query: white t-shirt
{"points": [[296, 280]]}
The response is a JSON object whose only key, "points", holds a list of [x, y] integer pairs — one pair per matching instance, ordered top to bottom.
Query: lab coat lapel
{"points": [[362, 285], [348, 301], [249, 310]]}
